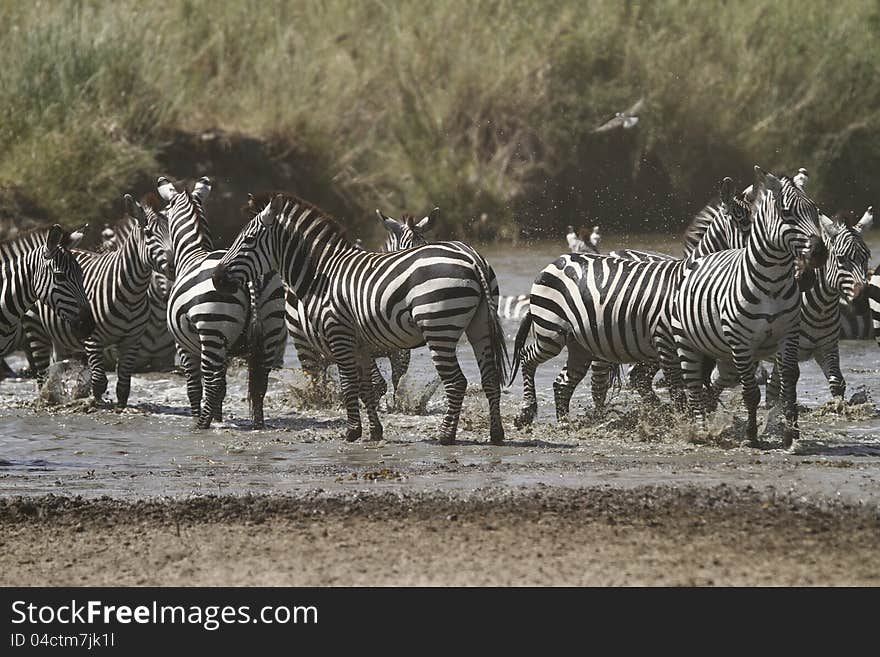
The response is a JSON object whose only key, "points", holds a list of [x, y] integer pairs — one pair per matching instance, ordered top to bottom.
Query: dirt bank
{"points": [[642, 536]]}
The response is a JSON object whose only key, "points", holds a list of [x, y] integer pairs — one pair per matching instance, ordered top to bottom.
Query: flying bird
{"points": [[625, 120]]}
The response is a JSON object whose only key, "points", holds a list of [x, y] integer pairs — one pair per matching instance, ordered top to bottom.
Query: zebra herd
{"points": [[763, 276]]}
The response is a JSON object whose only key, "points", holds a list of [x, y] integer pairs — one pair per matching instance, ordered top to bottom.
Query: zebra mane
{"points": [[258, 202], [698, 226], [24, 241]]}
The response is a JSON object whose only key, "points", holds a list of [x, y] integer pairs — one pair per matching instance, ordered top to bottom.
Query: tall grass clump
{"points": [[485, 108]]}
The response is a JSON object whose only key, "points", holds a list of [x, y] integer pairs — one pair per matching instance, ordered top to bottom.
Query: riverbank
{"points": [[650, 535]]}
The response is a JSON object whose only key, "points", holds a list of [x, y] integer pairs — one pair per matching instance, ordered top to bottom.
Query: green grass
{"points": [[482, 107]]}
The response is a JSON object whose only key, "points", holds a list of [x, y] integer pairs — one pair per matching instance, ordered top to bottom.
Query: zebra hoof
{"points": [[352, 435], [375, 435], [789, 436], [497, 437], [447, 440]]}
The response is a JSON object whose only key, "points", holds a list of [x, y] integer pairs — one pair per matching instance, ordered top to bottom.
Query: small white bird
{"points": [[801, 178], [595, 238], [575, 243]]}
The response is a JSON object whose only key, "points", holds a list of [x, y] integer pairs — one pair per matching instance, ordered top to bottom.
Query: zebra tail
{"points": [[524, 327], [496, 333], [256, 350]]}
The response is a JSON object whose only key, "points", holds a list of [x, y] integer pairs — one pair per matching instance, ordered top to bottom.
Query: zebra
{"points": [[404, 234], [38, 266], [844, 278], [841, 280], [116, 281], [429, 294], [740, 305], [513, 307], [603, 309], [606, 310], [209, 325], [156, 353]]}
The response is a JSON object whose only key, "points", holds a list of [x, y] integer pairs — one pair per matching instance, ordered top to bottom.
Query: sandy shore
{"points": [[641, 536]]}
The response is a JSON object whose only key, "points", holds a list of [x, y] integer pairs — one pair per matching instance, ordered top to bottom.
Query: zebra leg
{"points": [[479, 336], [38, 347], [536, 353], [128, 355], [95, 356], [399, 360], [829, 361], [576, 366], [213, 367], [745, 367], [673, 371], [790, 373], [692, 374], [641, 378], [193, 381], [350, 382], [454, 383], [380, 387], [221, 394], [369, 395], [771, 396]]}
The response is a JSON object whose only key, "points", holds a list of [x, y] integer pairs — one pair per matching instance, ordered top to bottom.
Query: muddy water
{"points": [[149, 449]]}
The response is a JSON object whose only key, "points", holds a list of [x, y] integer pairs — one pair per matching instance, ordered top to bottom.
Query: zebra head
{"points": [[734, 206], [185, 211], [788, 219], [406, 233], [153, 236], [254, 252], [846, 272], [59, 281]]}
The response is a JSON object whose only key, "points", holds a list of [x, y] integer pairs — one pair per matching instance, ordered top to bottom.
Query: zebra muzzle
{"points": [[84, 324]]}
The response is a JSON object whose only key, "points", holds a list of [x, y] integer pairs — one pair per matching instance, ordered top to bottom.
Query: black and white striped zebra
{"points": [[404, 234], [38, 266], [844, 278], [841, 279], [116, 282], [426, 295], [741, 305], [605, 310], [210, 325], [157, 350]]}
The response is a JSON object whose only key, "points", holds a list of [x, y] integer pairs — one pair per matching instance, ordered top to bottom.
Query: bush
{"points": [[485, 108]]}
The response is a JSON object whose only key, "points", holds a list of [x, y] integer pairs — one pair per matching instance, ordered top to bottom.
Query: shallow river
{"points": [[149, 450]]}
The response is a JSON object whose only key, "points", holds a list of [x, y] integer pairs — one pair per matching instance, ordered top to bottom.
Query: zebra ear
{"points": [[770, 182], [202, 189], [166, 190], [726, 191], [135, 211], [270, 212], [866, 221], [429, 222], [391, 225], [53, 241]]}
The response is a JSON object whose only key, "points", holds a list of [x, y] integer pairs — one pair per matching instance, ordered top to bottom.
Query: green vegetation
{"points": [[482, 107]]}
